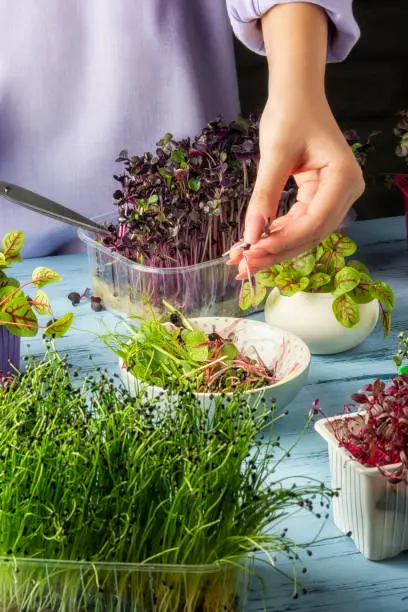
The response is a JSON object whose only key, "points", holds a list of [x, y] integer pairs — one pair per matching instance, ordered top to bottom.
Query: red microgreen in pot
{"points": [[325, 269], [374, 429]]}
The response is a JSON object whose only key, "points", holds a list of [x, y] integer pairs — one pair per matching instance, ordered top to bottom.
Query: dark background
{"points": [[365, 92]]}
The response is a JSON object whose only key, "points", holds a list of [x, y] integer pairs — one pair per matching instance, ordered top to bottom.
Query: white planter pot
{"points": [[310, 316], [248, 335], [369, 506]]}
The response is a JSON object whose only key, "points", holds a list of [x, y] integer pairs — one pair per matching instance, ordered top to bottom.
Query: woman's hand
{"points": [[298, 136]]}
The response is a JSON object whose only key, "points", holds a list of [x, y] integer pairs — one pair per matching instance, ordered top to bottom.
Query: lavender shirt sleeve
{"points": [[344, 33]]}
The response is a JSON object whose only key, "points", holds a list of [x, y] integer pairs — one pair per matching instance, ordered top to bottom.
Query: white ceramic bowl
{"points": [[271, 344]]}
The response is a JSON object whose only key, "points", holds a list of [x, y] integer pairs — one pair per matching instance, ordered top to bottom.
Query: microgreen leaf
{"points": [[178, 156], [194, 184], [12, 243], [342, 245], [331, 261], [304, 263], [358, 265], [44, 276], [267, 277], [318, 280], [346, 280], [7, 281], [288, 285], [9, 292], [363, 293], [384, 294], [246, 296], [41, 303], [346, 311], [4, 317], [385, 318], [23, 320], [60, 327], [193, 340], [229, 351]]}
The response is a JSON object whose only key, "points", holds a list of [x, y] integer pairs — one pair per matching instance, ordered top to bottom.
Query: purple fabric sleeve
{"points": [[344, 33]]}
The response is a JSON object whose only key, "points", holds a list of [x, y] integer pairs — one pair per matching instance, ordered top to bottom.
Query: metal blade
{"points": [[44, 206]]}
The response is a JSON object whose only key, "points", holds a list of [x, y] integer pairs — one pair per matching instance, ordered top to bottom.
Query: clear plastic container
{"points": [[206, 289], [369, 507], [38, 585]]}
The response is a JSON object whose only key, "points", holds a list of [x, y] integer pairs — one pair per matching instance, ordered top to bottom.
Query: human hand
{"points": [[299, 136], [306, 142]]}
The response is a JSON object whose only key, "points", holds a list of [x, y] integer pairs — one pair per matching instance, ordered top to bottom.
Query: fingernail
{"points": [[254, 226], [240, 277]]}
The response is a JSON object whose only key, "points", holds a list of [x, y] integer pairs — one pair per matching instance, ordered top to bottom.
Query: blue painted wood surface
{"points": [[338, 577]]}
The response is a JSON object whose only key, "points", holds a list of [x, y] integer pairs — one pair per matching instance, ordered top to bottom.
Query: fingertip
{"points": [[254, 226]]}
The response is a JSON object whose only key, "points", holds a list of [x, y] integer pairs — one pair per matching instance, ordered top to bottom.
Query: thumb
{"points": [[263, 205]]}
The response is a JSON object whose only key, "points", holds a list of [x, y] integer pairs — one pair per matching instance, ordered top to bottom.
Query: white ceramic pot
{"points": [[310, 316], [254, 338], [369, 506]]}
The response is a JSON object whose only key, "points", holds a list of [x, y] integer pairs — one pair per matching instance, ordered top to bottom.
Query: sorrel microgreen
{"points": [[326, 269], [18, 312], [173, 354], [89, 473]]}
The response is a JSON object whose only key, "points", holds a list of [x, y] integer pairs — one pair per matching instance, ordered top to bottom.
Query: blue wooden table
{"points": [[338, 577]]}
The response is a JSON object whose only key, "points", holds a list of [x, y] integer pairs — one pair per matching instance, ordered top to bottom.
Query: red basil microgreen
{"points": [[185, 203]]}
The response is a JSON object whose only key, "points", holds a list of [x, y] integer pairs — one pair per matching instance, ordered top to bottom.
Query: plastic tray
{"points": [[207, 289], [38, 585]]}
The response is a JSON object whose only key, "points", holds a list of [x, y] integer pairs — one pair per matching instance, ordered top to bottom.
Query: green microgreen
{"points": [[327, 268], [18, 311], [172, 354], [91, 475]]}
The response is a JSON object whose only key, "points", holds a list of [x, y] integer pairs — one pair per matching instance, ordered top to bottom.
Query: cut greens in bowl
{"points": [[211, 356]]}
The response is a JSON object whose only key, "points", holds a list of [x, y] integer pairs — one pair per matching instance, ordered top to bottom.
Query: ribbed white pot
{"points": [[310, 316], [369, 507]]}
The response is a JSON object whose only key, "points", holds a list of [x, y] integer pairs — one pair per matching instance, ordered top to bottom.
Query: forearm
{"points": [[344, 32], [295, 37]]}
